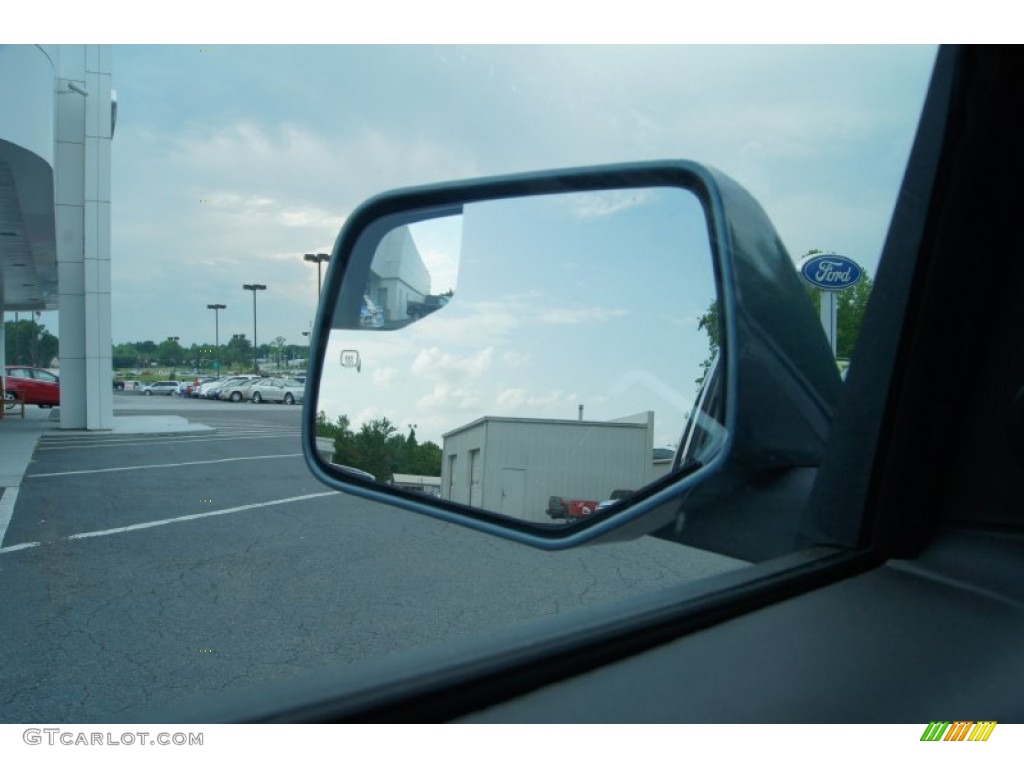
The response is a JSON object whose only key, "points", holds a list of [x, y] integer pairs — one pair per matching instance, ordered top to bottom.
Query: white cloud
{"points": [[286, 146], [598, 204], [443, 267], [560, 316], [489, 320], [514, 359], [433, 363], [384, 377], [445, 396], [518, 398], [437, 399], [366, 415]]}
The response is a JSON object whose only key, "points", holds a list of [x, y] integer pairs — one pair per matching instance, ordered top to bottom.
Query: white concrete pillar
{"points": [[82, 168]]}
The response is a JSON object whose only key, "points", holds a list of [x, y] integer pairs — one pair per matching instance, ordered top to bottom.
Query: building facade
{"points": [[57, 119], [397, 276], [514, 466]]}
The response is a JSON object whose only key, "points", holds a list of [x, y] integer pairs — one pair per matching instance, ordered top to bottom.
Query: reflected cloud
{"points": [[592, 205], [582, 315], [552, 316], [514, 359], [433, 362], [384, 377], [446, 396], [518, 398]]}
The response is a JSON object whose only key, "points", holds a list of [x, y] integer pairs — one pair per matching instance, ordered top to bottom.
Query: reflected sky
{"points": [[558, 301]]}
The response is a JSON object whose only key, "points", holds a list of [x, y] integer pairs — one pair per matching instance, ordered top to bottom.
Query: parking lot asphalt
{"points": [[22, 427], [142, 570]]}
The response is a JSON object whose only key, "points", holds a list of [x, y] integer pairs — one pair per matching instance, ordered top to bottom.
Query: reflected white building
{"points": [[398, 275], [515, 465]]}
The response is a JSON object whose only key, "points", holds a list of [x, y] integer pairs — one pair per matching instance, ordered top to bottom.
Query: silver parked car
{"points": [[161, 388], [204, 388], [233, 388], [275, 390]]}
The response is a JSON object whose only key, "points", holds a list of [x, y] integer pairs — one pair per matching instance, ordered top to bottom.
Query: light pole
{"points": [[319, 258], [254, 287], [216, 329]]}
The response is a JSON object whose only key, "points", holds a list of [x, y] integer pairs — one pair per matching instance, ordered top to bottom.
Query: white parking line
{"points": [[51, 439], [176, 441], [163, 466], [7, 499], [198, 516], [171, 520], [17, 547]]}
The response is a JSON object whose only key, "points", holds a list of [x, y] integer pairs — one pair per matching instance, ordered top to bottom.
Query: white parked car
{"points": [[205, 386]]}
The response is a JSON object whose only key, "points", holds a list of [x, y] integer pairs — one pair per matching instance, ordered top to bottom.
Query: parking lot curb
{"points": [[142, 426]]}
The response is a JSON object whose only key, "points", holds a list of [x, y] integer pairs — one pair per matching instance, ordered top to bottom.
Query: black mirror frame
{"points": [[750, 264]]}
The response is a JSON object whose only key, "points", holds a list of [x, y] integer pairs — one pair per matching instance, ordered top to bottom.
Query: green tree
{"points": [[29, 343], [277, 351], [238, 352], [145, 353], [171, 353], [125, 356], [198, 356], [341, 433], [379, 448], [373, 449], [410, 449], [426, 460]]}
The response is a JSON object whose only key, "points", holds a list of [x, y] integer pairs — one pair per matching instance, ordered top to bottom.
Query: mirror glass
{"points": [[537, 357]]}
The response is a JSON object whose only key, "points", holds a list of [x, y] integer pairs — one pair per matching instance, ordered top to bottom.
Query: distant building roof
{"points": [[644, 419]]}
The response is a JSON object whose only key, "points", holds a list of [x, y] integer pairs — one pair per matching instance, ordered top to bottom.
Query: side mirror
{"points": [[552, 357]]}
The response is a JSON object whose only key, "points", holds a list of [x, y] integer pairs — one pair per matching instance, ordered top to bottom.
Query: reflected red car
{"points": [[37, 385]]}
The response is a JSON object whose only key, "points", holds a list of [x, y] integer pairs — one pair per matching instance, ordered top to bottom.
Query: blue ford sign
{"points": [[831, 272]]}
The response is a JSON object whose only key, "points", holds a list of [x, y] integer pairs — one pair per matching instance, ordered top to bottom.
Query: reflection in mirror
{"points": [[536, 357]]}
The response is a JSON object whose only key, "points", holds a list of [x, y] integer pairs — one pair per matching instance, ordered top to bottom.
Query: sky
{"points": [[230, 162]]}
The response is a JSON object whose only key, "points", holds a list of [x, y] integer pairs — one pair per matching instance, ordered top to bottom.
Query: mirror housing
{"points": [[772, 387]]}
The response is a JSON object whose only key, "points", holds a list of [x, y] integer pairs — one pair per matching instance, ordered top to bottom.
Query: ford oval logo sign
{"points": [[831, 272]]}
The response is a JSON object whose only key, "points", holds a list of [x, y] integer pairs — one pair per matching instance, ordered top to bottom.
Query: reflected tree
{"points": [[709, 323], [378, 448]]}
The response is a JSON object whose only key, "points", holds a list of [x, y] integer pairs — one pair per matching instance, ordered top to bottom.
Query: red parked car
{"points": [[37, 385]]}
